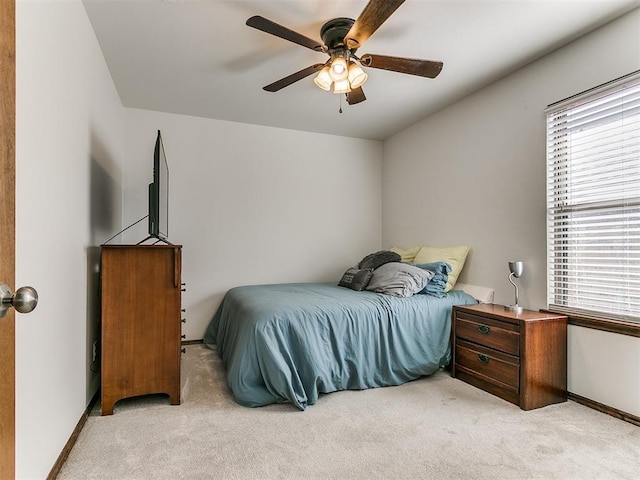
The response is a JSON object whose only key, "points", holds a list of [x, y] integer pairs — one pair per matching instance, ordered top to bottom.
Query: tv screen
{"points": [[159, 193]]}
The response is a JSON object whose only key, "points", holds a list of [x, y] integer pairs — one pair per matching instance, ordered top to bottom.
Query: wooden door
{"points": [[7, 234]]}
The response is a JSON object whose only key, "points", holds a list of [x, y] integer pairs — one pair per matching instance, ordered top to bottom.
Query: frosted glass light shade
{"points": [[338, 69], [357, 75], [323, 79], [341, 86]]}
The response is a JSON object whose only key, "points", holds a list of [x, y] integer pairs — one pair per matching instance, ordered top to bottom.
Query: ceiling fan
{"points": [[341, 38]]}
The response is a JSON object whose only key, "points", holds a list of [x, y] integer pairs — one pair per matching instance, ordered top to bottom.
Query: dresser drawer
{"points": [[488, 332], [503, 368]]}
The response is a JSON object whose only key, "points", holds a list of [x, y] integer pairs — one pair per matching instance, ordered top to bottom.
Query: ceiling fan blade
{"points": [[373, 15], [273, 28], [412, 66], [294, 77], [356, 96]]}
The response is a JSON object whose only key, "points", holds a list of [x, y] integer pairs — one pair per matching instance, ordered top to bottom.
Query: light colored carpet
{"points": [[432, 428]]}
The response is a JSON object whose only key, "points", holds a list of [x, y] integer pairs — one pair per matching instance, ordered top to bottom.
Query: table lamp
{"points": [[516, 268]]}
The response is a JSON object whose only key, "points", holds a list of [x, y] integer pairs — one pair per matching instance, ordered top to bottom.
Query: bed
{"points": [[291, 342]]}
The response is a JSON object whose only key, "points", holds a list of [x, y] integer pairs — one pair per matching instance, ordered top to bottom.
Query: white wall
{"points": [[69, 151], [474, 174], [253, 204], [605, 367]]}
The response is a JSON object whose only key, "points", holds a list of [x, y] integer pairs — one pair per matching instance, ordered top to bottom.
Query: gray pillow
{"points": [[375, 260], [356, 278], [399, 279]]}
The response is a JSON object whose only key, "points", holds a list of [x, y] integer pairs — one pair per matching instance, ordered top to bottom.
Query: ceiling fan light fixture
{"points": [[341, 37], [338, 70], [357, 75], [323, 79], [341, 86]]}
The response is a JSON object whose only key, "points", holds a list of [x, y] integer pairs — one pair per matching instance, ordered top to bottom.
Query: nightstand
{"points": [[520, 357]]}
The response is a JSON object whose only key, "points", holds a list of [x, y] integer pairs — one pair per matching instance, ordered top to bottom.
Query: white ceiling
{"points": [[198, 58]]}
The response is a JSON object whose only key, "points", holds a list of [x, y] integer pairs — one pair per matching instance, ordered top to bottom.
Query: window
{"points": [[593, 202]]}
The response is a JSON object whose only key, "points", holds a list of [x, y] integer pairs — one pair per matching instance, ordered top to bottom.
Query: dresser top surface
{"points": [[141, 247], [502, 313]]}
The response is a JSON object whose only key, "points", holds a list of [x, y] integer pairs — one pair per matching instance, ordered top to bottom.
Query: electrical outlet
{"points": [[94, 353]]}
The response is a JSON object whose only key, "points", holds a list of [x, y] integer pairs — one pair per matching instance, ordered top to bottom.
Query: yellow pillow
{"points": [[406, 255], [454, 256]]}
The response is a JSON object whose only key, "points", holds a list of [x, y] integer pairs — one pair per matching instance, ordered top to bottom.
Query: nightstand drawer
{"points": [[489, 332], [495, 365]]}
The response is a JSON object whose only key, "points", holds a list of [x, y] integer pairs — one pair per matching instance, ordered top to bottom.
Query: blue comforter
{"points": [[291, 342]]}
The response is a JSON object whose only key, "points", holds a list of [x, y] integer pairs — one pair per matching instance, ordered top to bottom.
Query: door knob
{"points": [[24, 300]]}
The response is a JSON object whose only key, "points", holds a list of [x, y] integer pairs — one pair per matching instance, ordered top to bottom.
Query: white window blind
{"points": [[593, 202]]}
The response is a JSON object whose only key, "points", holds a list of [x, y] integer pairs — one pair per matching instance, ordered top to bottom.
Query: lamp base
{"points": [[514, 308]]}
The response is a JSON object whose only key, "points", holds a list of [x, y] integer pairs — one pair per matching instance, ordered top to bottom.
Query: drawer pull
{"points": [[483, 329], [483, 358]]}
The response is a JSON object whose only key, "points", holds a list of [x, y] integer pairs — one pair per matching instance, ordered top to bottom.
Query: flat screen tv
{"points": [[159, 194]]}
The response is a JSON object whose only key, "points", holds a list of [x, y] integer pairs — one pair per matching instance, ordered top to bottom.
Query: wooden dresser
{"points": [[141, 299], [521, 358]]}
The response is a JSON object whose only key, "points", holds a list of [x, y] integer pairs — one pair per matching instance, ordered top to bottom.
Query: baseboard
{"points": [[192, 342], [614, 412], [55, 470]]}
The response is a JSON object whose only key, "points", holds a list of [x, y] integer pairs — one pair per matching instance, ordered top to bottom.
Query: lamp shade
{"points": [[338, 69], [357, 75], [323, 79], [341, 86], [516, 267]]}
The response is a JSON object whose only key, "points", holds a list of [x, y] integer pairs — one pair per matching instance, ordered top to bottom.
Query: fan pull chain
{"points": [[340, 110]]}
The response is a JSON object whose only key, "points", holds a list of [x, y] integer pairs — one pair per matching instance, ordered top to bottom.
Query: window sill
{"points": [[614, 326]]}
